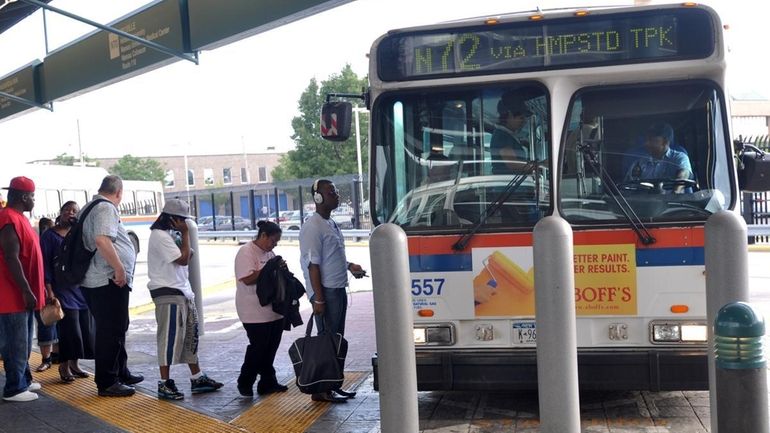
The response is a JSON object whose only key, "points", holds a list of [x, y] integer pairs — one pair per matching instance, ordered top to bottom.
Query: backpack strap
{"points": [[86, 211]]}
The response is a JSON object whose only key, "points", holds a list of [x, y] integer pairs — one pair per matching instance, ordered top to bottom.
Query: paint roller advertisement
{"points": [[605, 280]]}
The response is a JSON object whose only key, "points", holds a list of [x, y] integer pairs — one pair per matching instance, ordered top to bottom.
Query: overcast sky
{"points": [[244, 95]]}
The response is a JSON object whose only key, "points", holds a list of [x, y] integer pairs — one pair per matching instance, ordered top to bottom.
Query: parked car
{"points": [[343, 217], [290, 220], [224, 223]]}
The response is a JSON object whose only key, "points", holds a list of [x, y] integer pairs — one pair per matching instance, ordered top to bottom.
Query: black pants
{"points": [[109, 306], [76, 335], [264, 339]]}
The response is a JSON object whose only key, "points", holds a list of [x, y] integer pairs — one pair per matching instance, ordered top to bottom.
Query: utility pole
{"points": [[80, 146]]}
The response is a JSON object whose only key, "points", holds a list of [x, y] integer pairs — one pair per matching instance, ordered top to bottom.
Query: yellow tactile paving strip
{"points": [[291, 411], [139, 413]]}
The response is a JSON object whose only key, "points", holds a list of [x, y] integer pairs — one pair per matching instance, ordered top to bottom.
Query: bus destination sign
{"points": [[540, 45]]}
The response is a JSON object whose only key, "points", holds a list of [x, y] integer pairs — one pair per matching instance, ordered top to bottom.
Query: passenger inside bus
{"points": [[508, 142], [658, 166]]}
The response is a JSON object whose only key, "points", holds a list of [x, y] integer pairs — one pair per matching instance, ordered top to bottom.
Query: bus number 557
{"points": [[427, 286]]}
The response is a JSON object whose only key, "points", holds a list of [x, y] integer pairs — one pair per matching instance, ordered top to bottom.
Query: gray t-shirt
{"points": [[105, 220]]}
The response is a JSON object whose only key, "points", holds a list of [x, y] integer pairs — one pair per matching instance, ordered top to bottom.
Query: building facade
{"points": [[201, 172]]}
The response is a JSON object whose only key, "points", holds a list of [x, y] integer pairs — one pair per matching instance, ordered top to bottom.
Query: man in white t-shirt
{"points": [[168, 254], [322, 256]]}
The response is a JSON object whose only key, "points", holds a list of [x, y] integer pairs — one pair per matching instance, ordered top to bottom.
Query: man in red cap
{"points": [[22, 290]]}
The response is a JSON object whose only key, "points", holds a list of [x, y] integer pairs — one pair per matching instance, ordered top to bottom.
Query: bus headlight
{"points": [[678, 332], [665, 333], [434, 335]]}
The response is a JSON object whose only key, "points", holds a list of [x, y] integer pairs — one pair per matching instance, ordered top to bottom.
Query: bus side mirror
{"points": [[335, 120], [753, 170]]}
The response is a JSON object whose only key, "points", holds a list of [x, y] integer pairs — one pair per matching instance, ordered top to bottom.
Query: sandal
{"points": [[44, 365], [66, 376]]}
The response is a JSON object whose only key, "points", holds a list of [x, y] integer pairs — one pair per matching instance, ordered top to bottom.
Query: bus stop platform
{"points": [[76, 408]]}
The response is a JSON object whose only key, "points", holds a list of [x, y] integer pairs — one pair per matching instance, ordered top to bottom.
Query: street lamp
{"points": [[357, 110]]}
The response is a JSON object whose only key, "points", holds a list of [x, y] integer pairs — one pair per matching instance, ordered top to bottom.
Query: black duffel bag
{"points": [[319, 361]]}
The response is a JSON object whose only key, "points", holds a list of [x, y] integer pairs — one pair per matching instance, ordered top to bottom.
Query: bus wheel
{"points": [[135, 241]]}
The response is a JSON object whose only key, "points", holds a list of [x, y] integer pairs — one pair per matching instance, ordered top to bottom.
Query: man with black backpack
{"points": [[106, 286]]}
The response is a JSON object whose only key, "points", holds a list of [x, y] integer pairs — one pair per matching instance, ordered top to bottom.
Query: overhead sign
{"points": [[217, 23], [609, 39], [102, 58], [20, 83]]}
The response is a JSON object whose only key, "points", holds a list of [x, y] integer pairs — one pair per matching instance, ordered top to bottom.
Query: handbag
{"points": [[51, 312], [319, 361]]}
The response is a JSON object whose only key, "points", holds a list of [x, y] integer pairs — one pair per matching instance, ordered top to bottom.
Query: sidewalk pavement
{"points": [[221, 353]]}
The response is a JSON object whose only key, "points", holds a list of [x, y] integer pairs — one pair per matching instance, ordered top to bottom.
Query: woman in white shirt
{"points": [[264, 327]]}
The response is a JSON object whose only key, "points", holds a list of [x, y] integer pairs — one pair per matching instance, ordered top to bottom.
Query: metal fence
{"points": [[240, 207]]}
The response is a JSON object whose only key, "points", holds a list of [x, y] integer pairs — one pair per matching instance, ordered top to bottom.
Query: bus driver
{"points": [[658, 161]]}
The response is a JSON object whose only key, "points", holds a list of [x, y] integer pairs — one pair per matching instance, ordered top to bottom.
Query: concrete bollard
{"points": [[194, 270], [727, 280], [394, 328], [557, 374], [741, 374]]}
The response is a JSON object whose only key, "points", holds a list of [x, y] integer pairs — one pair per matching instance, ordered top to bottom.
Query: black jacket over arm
{"points": [[279, 287]]}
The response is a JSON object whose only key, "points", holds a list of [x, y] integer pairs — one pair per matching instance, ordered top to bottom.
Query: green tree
{"points": [[313, 156], [65, 159], [133, 168]]}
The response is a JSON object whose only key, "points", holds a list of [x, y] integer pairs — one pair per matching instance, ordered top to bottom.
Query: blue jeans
{"points": [[336, 308], [15, 347]]}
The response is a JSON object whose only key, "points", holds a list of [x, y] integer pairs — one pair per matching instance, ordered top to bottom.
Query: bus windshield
{"points": [[660, 146], [458, 157]]}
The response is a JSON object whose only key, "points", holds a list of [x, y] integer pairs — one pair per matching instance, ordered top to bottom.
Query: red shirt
{"points": [[31, 259]]}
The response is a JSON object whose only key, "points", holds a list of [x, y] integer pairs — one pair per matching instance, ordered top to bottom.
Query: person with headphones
{"points": [[322, 256]]}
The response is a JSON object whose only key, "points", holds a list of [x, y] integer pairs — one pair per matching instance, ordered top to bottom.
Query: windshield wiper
{"points": [[493, 207], [628, 211]]}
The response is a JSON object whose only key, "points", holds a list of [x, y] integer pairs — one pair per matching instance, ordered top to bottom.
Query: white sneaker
{"points": [[34, 386], [22, 396]]}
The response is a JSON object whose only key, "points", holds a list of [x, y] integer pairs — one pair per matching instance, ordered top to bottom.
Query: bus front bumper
{"points": [[655, 369]]}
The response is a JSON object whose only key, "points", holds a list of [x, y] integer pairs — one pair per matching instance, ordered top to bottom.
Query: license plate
{"points": [[524, 332]]}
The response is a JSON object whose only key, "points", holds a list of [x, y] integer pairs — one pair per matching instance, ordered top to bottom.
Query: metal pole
{"points": [[80, 146], [358, 152], [187, 175], [356, 204], [301, 205], [277, 206], [232, 211], [252, 211], [213, 213], [194, 270], [727, 280], [393, 325], [741, 369], [557, 374]]}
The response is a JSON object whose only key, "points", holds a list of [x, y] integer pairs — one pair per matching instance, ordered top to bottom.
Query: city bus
{"points": [[615, 119], [57, 184]]}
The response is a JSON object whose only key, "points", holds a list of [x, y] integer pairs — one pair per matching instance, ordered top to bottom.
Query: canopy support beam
{"points": [[184, 56], [15, 98]]}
